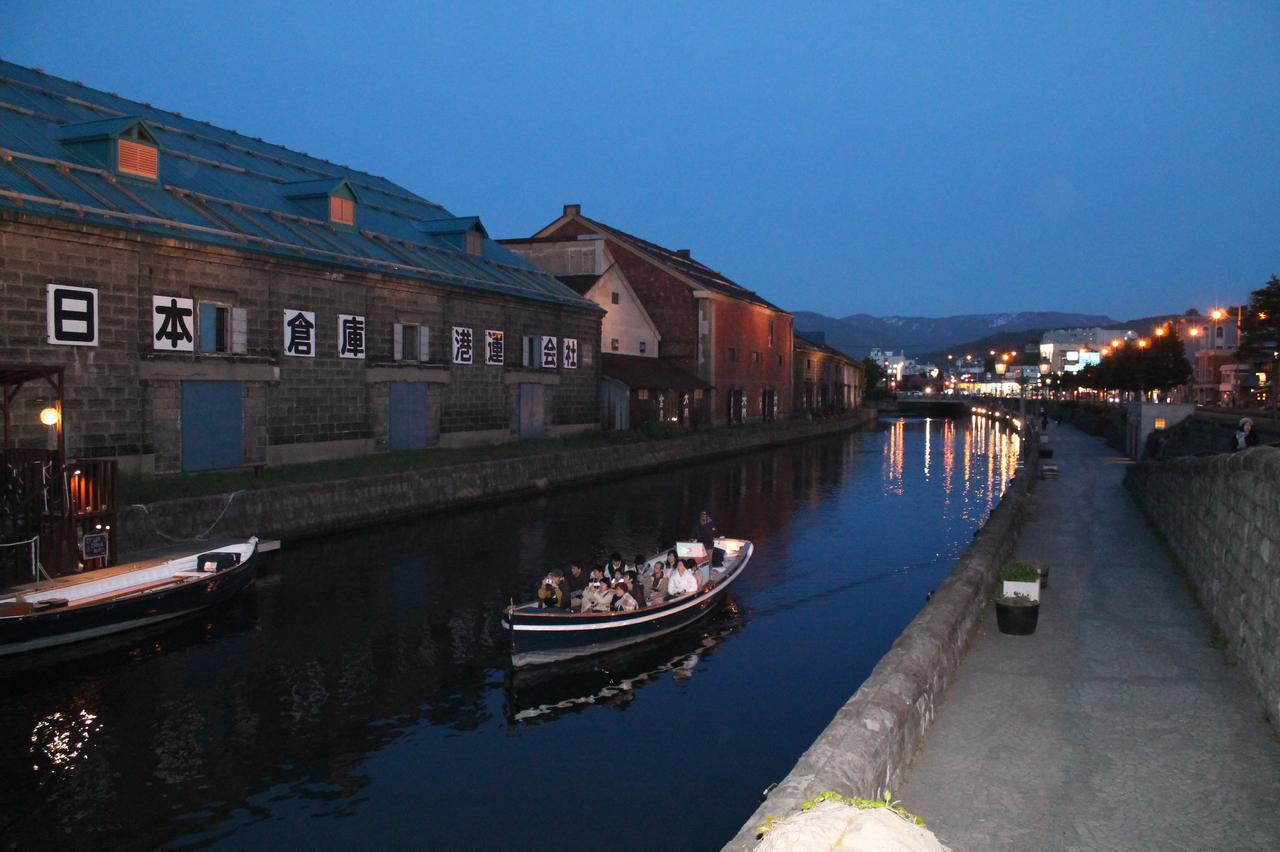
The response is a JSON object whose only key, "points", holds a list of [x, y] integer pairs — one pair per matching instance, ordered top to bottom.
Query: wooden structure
{"points": [[43, 497]]}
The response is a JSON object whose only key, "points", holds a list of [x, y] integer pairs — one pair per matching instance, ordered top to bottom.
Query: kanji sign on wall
{"points": [[72, 315], [173, 324], [300, 333], [350, 336], [463, 345], [549, 352], [570, 353], [494, 354]]}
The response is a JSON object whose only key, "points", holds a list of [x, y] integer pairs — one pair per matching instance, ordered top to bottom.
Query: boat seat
{"points": [[174, 580]]}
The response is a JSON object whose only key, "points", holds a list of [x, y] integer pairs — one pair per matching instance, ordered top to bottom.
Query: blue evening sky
{"points": [[909, 158]]}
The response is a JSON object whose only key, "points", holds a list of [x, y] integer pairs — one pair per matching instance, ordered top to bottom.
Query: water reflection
{"points": [[366, 678]]}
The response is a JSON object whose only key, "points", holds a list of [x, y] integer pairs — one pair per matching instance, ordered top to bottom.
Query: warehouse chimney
{"points": [[573, 210], [683, 252]]}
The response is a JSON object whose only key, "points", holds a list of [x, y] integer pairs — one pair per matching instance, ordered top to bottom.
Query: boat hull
{"points": [[37, 631], [547, 637]]}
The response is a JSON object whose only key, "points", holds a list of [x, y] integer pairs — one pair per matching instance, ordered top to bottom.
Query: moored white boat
{"points": [[123, 600], [545, 635]]}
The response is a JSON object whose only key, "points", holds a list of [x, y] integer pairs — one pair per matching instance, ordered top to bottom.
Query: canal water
{"points": [[359, 696]]}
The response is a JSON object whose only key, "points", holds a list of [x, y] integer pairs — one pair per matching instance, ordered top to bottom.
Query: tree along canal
{"points": [[359, 696]]}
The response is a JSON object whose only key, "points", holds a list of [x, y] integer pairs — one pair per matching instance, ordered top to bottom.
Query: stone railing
{"points": [[313, 508], [1221, 518], [868, 745]]}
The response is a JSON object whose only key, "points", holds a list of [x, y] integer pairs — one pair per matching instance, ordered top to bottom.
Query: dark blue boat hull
{"points": [[56, 627], [548, 636]]}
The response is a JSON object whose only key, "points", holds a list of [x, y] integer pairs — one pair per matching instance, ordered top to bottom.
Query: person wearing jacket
{"points": [[1245, 437], [684, 581]]}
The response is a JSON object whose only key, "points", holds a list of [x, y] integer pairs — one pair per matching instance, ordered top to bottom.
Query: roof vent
{"points": [[125, 144], [573, 210], [683, 253]]}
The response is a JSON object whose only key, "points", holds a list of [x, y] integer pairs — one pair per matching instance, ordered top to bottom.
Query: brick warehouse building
{"points": [[219, 301], [709, 325], [826, 379]]}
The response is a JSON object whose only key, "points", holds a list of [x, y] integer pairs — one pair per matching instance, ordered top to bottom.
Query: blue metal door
{"points": [[406, 415], [212, 425]]}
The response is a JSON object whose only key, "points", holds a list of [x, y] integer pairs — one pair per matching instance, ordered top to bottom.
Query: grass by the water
{"points": [[150, 489]]}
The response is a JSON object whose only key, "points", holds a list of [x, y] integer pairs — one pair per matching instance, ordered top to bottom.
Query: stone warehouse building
{"points": [[219, 301], [707, 325]]}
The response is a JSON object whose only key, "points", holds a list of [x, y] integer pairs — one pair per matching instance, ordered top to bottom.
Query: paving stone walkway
{"points": [[1117, 725]]}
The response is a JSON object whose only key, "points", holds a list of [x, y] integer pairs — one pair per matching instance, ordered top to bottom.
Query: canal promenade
{"points": [[1118, 725]]}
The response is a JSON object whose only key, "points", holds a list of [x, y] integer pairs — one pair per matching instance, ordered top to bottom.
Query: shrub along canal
{"points": [[359, 696]]}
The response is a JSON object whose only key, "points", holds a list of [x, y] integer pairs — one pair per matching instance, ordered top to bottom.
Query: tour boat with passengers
{"points": [[80, 608], [542, 634]]}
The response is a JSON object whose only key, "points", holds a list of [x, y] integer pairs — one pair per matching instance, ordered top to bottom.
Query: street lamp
{"points": [[1143, 343]]}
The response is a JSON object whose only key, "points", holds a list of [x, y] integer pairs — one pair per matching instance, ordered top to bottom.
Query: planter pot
{"points": [[1030, 590], [1017, 620]]}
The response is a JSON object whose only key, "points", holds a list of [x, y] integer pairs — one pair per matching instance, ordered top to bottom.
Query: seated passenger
{"points": [[671, 562], [614, 567], [683, 581], [576, 582], [635, 587], [656, 590], [552, 592], [598, 595], [623, 600]]}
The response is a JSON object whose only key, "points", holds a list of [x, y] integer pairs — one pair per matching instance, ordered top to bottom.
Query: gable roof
{"points": [[217, 186], [680, 262], [799, 341]]}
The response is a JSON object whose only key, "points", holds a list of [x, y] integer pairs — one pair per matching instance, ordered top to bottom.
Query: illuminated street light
{"points": [[1218, 313], [1160, 332], [1194, 332], [1143, 343], [1106, 350], [50, 416]]}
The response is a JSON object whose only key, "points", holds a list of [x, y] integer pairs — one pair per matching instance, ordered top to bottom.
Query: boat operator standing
{"points": [[705, 531]]}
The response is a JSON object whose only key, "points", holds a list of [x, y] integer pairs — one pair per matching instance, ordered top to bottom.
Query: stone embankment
{"points": [[1206, 433], [312, 508], [1221, 518], [867, 747]]}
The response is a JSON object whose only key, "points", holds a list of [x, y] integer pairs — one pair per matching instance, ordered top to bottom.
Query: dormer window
{"points": [[125, 145], [133, 158], [342, 210], [475, 242]]}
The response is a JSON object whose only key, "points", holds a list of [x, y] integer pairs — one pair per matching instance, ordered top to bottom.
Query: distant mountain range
{"points": [[859, 333]]}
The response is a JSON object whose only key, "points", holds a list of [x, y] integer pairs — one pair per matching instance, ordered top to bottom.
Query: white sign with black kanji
{"points": [[72, 315], [173, 324], [299, 333], [350, 336], [463, 345], [549, 352], [570, 353], [494, 354]]}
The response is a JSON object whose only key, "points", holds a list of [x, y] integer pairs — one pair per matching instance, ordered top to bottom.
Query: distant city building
{"points": [[1069, 350]]}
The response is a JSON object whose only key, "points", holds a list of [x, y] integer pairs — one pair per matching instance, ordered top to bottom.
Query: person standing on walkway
{"points": [[1245, 437]]}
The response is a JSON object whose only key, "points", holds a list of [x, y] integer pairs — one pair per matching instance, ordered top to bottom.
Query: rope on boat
{"points": [[202, 536]]}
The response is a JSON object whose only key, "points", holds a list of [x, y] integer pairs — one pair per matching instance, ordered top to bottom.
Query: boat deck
{"points": [[146, 559]]}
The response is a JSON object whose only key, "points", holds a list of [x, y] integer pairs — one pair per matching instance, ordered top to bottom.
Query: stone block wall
{"points": [[123, 396], [325, 507], [1221, 518]]}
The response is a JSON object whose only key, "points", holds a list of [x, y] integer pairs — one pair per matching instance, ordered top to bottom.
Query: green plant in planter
{"points": [[1019, 572], [1016, 600]]}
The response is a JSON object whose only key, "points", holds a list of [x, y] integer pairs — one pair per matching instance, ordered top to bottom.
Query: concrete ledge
{"points": [[210, 368], [408, 373], [531, 378], [482, 437], [312, 451], [293, 511], [868, 745]]}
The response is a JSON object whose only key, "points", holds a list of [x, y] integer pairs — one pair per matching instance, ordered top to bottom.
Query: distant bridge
{"points": [[932, 407]]}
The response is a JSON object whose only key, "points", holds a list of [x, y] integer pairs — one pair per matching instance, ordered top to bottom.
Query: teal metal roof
{"points": [[217, 186]]}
